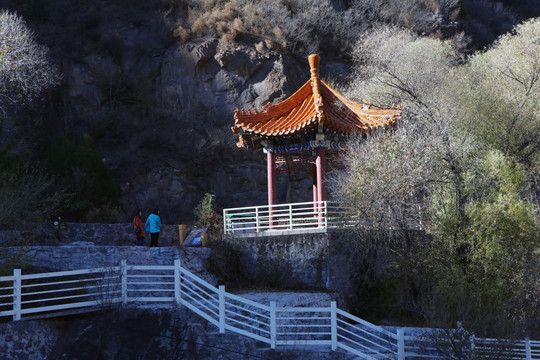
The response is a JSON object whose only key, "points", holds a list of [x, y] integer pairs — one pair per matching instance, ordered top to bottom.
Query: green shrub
{"points": [[80, 170], [27, 193], [207, 217], [488, 255]]}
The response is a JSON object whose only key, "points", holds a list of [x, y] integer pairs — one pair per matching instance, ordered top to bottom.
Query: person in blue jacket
{"points": [[153, 226]]}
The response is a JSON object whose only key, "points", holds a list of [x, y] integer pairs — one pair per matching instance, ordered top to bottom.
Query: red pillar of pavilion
{"points": [[320, 164], [271, 173], [315, 192]]}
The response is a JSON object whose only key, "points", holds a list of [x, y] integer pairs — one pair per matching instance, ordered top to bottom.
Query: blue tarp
{"points": [[194, 237]]}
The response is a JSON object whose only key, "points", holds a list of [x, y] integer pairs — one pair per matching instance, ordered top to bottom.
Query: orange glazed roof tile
{"points": [[315, 107]]}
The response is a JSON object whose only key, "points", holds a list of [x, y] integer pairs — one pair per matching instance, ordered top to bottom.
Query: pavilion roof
{"points": [[314, 108]]}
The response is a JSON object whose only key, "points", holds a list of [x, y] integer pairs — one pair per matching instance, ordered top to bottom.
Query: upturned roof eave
{"points": [[272, 111], [297, 113]]}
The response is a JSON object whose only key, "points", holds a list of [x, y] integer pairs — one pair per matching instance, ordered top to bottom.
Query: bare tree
{"points": [[395, 66], [25, 70], [502, 89], [448, 179]]}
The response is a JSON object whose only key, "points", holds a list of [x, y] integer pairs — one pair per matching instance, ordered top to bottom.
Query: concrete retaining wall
{"points": [[87, 256], [308, 260], [295, 261]]}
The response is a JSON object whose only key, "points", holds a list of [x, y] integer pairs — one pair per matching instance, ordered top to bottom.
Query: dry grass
{"points": [[302, 26]]}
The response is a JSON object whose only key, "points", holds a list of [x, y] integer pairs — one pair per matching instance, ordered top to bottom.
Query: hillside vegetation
{"points": [[333, 26], [306, 27], [464, 166]]}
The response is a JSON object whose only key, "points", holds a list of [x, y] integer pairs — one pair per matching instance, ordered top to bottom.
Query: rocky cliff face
{"points": [[159, 110]]}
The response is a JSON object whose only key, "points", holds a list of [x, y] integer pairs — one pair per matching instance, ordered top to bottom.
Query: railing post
{"points": [[325, 204], [290, 217], [257, 220], [321, 220], [225, 222], [271, 222], [123, 269], [17, 285], [177, 296], [221, 309], [333, 325], [273, 327], [401, 344], [528, 353]]}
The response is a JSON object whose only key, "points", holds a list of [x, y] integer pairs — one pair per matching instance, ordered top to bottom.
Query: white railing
{"points": [[295, 217], [48, 292], [51, 293], [355, 334], [431, 343]]}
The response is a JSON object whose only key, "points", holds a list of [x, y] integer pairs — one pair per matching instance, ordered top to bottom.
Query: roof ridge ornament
{"points": [[314, 62]]}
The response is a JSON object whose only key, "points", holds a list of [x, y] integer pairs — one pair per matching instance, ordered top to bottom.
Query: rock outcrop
{"points": [[160, 110]]}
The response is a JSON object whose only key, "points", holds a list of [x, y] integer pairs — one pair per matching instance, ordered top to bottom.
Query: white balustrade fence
{"points": [[282, 218], [48, 292], [51, 294], [431, 343]]}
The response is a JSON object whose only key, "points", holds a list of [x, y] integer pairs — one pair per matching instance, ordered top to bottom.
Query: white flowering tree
{"points": [[25, 70]]}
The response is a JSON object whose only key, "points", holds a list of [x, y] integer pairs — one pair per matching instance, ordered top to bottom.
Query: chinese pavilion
{"points": [[307, 131]]}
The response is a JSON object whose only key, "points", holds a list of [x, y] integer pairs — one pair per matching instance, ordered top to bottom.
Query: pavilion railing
{"points": [[305, 216]]}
